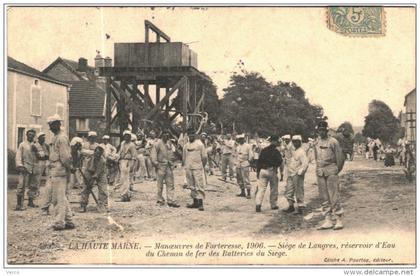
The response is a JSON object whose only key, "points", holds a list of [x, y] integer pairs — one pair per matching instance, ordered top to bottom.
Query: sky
{"points": [[342, 74]]}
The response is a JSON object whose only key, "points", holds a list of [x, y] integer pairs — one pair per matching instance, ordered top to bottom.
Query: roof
{"points": [[72, 66], [19, 67], [408, 95], [86, 100]]}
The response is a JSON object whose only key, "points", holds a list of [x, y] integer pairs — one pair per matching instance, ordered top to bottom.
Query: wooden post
{"points": [[157, 93], [146, 95], [185, 96], [108, 107]]}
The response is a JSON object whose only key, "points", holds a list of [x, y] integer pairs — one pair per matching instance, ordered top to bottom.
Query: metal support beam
{"points": [[149, 25], [185, 95]]}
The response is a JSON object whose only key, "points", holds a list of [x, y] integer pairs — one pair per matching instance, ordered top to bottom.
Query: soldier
{"points": [[228, 146], [88, 148], [42, 152], [286, 152], [110, 155], [127, 155], [162, 156], [244, 156], [194, 159], [329, 162], [149, 165], [267, 167], [28, 168], [59, 168], [141, 170], [296, 170], [95, 172], [76, 179]]}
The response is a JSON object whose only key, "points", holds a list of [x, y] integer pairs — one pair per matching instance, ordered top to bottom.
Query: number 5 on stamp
{"points": [[357, 21]]}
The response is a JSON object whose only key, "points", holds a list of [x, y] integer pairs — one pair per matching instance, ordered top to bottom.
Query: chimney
{"points": [[99, 61], [108, 62], [82, 66]]}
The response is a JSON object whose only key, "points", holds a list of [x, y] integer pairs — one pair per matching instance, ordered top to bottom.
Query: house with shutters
{"points": [[87, 96], [32, 97], [407, 116]]}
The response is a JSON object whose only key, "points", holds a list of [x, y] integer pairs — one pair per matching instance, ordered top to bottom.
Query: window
{"points": [[35, 99], [82, 124], [21, 136]]}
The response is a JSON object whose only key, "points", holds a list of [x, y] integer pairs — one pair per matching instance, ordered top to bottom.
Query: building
{"points": [[87, 93], [32, 97], [408, 116]]}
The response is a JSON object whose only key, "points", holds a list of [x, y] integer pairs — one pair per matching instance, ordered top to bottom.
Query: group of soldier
{"points": [[89, 164]]}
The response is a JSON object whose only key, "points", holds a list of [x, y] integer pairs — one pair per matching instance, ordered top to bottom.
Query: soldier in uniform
{"points": [[228, 147], [42, 151], [286, 152], [110, 155], [127, 156], [244, 156], [163, 157], [194, 159], [329, 162], [28, 168], [59, 168], [296, 170], [95, 173], [151, 173], [76, 179]]}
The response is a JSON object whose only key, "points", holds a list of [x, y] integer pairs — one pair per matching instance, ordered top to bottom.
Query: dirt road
{"points": [[377, 201]]}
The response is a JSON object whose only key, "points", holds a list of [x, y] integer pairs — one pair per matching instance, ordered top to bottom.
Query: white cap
{"points": [[54, 118], [126, 132], [92, 133], [41, 134], [240, 136], [287, 136], [105, 137], [297, 137], [310, 139], [76, 140], [101, 146]]}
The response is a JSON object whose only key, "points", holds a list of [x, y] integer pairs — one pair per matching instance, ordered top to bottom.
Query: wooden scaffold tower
{"points": [[168, 66]]}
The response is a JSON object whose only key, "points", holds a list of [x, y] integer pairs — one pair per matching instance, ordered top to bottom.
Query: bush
{"points": [[11, 161]]}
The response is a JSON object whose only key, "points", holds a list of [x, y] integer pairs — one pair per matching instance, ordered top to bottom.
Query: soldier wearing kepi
{"points": [[228, 146], [127, 156], [244, 156], [163, 157], [194, 160], [329, 162], [267, 167], [28, 168], [59, 168], [296, 170], [95, 172], [76, 179]]}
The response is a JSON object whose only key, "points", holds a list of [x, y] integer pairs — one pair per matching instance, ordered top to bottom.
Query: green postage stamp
{"points": [[357, 21]]}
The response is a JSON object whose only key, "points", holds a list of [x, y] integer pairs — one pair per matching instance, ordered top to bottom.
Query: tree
{"points": [[257, 106], [381, 123], [346, 127]]}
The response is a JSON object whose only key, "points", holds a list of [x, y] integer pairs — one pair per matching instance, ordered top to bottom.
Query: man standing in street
{"points": [[228, 146], [286, 149], [42, 154], [110, 155], [127, 156], [244, 156], [163, 158], [194, 160], [329, 162], [268, 164], [28, 168], [59, 168], [296, 170], [95, 173], [151, 173], [76, 179]]}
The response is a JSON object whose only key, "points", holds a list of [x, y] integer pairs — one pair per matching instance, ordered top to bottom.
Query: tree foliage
{"points": [[257, 106], [381, 123], [346, 127]]}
